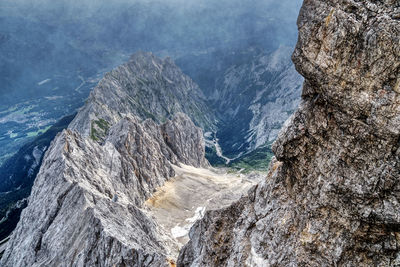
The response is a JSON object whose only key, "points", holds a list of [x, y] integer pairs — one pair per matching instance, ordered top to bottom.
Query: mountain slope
{"points": [[147, 87], [252, 90], [256, 98], [18, 173], [331, 197], [86, 203], [84, 206]]}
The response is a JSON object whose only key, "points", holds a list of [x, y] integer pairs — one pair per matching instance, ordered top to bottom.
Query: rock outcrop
{"points": [[183, 138], [332, 196], [85, 207]]}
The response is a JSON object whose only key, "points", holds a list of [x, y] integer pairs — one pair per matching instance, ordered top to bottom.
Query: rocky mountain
{"points": [[52, 53], [147, 87], [253, 92], [255, 99], [18, 173], [332, 194], [85, 206]]}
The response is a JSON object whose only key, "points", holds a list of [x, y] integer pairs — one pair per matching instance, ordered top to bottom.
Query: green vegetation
{"points": [[9, 110], [23, 110], [103, 124], [99, 129], [36, 133], [13, 135], [213, 158], [257, 160]]}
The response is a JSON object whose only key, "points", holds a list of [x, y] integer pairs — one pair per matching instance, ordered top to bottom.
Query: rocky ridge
{"points": [[147, 87], [331, 197], [85, 207]]}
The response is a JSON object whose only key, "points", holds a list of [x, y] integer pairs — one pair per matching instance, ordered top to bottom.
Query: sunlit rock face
{"points": [[331, 197]]}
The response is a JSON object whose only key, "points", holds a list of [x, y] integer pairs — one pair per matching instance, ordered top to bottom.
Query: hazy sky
{"points": [[40, 38]]}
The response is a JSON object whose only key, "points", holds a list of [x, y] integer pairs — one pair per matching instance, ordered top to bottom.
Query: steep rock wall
{"points": [[332, 196]]}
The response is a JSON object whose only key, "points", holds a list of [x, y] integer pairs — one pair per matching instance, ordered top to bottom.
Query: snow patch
{"points": [[198, 214], [179, 231], [255, 260]]}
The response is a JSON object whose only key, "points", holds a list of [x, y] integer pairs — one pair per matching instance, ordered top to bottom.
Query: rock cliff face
{"points": [[185, 140], [332, 196], [85, 207]]}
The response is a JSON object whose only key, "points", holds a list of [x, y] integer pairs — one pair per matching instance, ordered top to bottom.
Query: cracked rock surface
{"points": [[332, 195], [86, 205], [84, 209]]}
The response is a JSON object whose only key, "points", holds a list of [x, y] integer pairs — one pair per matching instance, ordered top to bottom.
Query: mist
{"points": [[40, 39]]}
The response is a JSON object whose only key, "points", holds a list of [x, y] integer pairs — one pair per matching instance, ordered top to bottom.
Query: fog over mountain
{"points": [[43, 38], [53, 52], [226, 64], [199, 133]]}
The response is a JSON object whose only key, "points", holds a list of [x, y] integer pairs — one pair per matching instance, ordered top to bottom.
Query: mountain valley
{"points": [[153, 88], [227, 145], [111, 159]]}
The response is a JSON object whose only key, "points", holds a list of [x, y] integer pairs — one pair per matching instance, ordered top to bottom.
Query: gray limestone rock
{"points": [[147, 87], [185, 140], [332, 196], [85, 208]]}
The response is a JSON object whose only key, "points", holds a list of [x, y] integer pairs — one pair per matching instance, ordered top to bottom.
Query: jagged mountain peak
{"points": [[146, 58], [146, 86], [95, 176]]}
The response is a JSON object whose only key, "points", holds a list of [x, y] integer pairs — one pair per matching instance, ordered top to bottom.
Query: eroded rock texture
{"points": [[147, 87], [331, 197], [85, 208]]}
